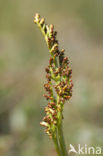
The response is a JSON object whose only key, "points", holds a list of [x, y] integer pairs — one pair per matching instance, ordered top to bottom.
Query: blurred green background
{"points": [[23, 57]]}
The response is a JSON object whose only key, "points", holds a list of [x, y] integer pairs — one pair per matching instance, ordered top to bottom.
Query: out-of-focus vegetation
{"points": [[23, 57]]}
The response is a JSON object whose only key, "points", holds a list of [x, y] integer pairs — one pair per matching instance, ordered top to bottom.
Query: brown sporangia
{"points": [[58, 74]]}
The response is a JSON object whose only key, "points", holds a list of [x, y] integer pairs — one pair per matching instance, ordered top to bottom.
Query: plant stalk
{"points": [[61, 140], [57, 146]]}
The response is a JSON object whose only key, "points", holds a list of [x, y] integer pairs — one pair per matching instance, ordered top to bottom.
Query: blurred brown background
{"points": [[23, 57]]}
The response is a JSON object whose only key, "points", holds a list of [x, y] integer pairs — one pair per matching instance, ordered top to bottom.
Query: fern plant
{"points": [[58, 87]]}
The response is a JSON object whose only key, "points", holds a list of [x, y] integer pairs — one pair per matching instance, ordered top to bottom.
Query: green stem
{"points": [[55, 139], [61, 140]]}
